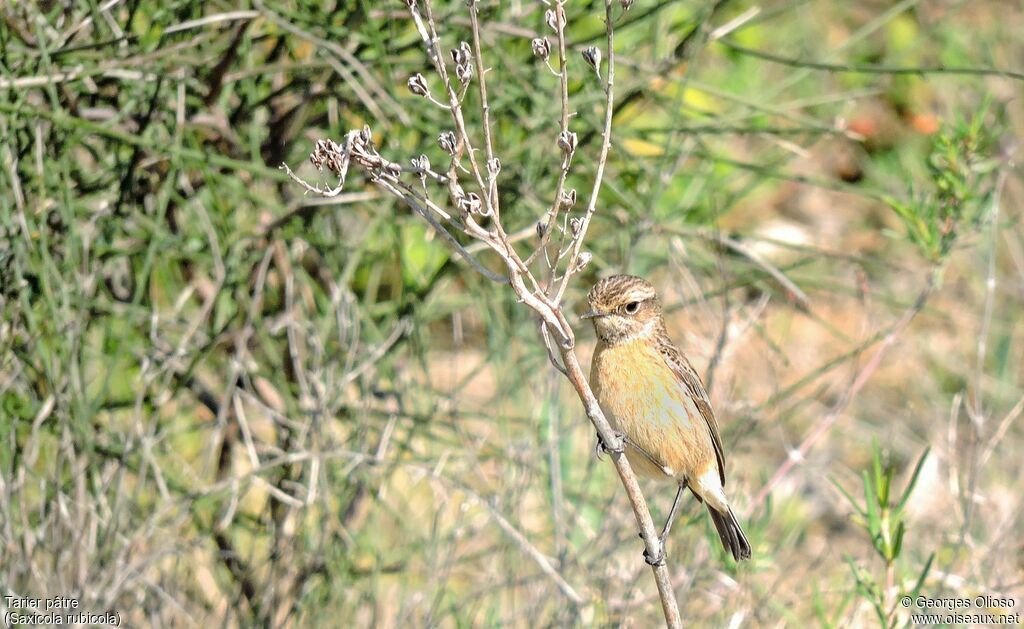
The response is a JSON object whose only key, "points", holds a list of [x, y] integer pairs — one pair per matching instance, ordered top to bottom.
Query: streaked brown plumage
{"points": [[651, 393]]}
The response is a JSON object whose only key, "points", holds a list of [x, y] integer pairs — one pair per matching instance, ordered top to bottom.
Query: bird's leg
{"points": [[602, 448], [673, 512], [660, 559]]}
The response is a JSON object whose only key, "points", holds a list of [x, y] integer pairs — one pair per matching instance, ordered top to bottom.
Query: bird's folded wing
{"points": [[688, 378]]}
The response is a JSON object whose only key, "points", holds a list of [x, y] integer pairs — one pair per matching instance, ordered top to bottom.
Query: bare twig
{"points": [[872, 69], [485, 108], [606, 142], [549, 220], [793, 292], [546, 336], [531, 551]]}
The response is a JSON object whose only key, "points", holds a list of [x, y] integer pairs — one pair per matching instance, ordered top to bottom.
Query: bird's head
{"points": [[623, 308]]}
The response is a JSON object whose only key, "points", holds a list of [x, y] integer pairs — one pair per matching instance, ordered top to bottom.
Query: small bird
{"points": [[651, 394]]}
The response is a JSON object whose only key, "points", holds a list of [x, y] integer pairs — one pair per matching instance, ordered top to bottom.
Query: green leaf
{"points": [[150, 39], [421, 258], [880, 474], [913, 479], [848, 496], [871, 502], [897, 544], [924, 574]]}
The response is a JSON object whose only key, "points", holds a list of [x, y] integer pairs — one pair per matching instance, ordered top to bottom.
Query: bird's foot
{"points": [[602, 448], [659, 559], [655, 561]]}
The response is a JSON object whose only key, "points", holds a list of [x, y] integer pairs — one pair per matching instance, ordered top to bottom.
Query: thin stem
{"points": [[434, 42], [872, 68], [563, 92], [485, 108], [606, 143], [413, 202], [500, 243], [793, 292], [636, 497]]}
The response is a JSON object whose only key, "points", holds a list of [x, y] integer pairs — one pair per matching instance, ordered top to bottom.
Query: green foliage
{"points": [[961, 170], [422, 257], [882, 516]]}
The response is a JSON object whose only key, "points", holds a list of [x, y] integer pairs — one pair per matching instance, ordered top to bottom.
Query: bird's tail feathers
{"points": [[732, 535]]}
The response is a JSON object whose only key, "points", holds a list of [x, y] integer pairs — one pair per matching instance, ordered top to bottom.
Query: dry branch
{"points": [[473, 206]]}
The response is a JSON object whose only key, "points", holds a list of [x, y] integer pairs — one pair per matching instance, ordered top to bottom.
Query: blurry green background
{"points": [[222, 399]]}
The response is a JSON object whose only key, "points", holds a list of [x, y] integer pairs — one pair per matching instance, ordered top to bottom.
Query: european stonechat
{"points": [[652, 395]]}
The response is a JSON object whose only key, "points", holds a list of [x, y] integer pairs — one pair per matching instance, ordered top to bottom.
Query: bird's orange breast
{"points": [[643, 398]]}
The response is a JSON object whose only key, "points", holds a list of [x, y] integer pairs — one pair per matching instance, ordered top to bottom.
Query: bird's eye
{"points": [[632, 307]]}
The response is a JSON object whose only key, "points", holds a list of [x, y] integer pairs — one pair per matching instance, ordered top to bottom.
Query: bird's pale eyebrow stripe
{"points": [[622, 289], [641, 294]]}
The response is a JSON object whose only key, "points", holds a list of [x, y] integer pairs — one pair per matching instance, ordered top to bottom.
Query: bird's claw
{"points": [[601, 448], [652, 560], [655, 561]]}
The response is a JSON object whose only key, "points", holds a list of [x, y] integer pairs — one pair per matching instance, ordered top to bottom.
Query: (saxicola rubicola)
{"points": [[651, 394]]}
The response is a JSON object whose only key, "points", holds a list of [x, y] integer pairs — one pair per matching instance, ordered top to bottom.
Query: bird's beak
{"points": [[590, 314]]}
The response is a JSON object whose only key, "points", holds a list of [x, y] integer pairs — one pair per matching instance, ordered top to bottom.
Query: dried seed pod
{"points": [[626, 4], [551, 19], [541, 48], [462, 54], [592, 55], [463, 58], [464, 72], [418, 85], [366, 136], [446, 140], [567, 141], [327, 153], [318, 156], [421, 163], [493, 167], [568, 198], [469, 203], [463, 204], [475, 204], [576, 224], [542, 228], [582, 261]]}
